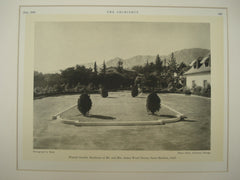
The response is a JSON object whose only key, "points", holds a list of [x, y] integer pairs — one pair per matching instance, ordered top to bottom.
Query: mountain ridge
{"points": [[185, 55]]}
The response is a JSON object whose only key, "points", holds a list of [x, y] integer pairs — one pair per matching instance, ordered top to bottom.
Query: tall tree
{"points": [[164, 62], [158, 63], [147, 64], [172, 64], [120, 65], [95, 67], [104, 67], [146, 68], [182, 68], [172, 70]]}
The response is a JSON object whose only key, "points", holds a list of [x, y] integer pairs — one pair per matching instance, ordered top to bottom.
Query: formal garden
{"points": [[112, 108], [192, 133]]}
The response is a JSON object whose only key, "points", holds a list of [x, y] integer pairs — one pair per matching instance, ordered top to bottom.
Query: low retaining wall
{"points": [[59, 113], [121, 123]]}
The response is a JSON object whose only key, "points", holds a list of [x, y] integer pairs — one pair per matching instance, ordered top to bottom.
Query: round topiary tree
{"points": [[134, 91], [104, 92], [153, 103], [84, 104]]}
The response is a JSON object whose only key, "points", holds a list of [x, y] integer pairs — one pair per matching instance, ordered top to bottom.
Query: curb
{"points": [[54, 117], [178, 117], [121, 123]]}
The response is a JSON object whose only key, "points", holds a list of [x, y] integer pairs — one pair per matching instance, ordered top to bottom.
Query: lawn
{"points": [[192, 134]]}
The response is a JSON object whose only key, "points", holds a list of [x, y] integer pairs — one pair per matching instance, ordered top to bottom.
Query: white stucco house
{"points": [[200, 73]]}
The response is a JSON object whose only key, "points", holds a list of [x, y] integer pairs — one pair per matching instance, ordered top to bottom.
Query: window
{"points": [[206, 63], [195, 65]]}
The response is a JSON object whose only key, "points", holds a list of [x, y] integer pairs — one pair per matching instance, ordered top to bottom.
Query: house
{"points": [[200, 73]]}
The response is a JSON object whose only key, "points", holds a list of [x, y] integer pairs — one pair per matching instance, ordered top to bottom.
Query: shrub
{"points": [[90, 87], [172, 90], [197, 90], [134, 91], [187, 91], [206, 91], [104, 92], [153, 103], [84, 104]]}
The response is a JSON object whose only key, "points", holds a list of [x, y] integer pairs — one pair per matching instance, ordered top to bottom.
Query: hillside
{"points": [[185, 55], [188, 55]]}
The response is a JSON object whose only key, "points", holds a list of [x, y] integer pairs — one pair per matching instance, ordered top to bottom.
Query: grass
{"points": [[114, 108], [193, 134]]}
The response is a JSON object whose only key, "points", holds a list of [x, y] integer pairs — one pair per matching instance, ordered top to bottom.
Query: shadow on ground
{"points": [[140, 97], [164, 115], [100, 117], [188, 120]]}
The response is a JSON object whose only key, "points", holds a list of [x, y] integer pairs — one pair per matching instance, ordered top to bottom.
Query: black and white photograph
{"points": [[133, 86], [119, 89]]}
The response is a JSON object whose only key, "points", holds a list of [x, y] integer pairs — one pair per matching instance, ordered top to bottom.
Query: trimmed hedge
{"points": [[134, 91], [104, 92], [153, 103], [84, 104]]}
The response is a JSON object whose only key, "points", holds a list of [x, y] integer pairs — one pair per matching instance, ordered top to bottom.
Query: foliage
{"points": [[158, 64], [172, 64], [120, 66], [95, 67], [104, 67], [182, 68], [163, 74], [75, 75], [153, 75], [39, 79], [43, 80], [113, 80], [151, 81], [197, 90], [134, 91], [187, 91], [201, 91], [206, 91], [104, 92], [153, 103], [84, 104]]}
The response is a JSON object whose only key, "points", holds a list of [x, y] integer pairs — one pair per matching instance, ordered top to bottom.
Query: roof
{"points": [[204, 59], [191, 64], [202, 69]]}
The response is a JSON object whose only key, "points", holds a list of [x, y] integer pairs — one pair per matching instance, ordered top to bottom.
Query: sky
{"points": [[59, 45]]}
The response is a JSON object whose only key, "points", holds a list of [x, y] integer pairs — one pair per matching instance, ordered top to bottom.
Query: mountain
{"points": [[184, 55], [188, 55], [138, 60], [114, 62], [130, 62]]}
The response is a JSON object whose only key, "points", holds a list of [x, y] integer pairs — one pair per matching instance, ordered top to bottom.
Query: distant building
{"points": [[200, 73]]}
